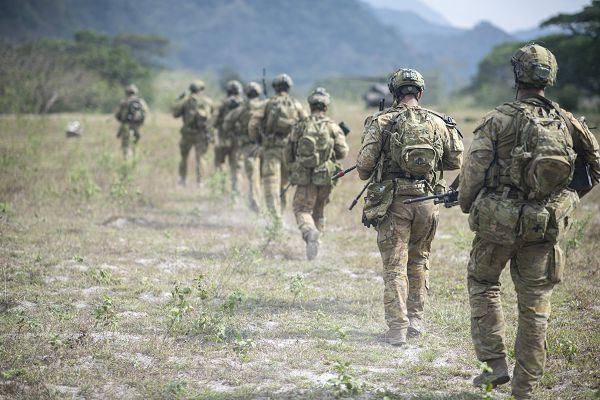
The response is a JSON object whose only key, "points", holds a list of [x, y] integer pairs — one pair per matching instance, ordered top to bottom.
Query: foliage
{"points": [[83, 73], [345, 383]]}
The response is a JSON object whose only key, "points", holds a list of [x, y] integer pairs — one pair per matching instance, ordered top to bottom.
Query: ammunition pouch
{"points": [[299, 175], [321, 176], [380, 196], [560, 207], [496, 219]]}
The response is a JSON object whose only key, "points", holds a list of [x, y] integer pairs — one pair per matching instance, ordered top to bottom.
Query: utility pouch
{"points": [[299, 175], [321, 175], [412, 188], [380, 196], [560, 207], [496, 219], [534, 222], [556, 265]]}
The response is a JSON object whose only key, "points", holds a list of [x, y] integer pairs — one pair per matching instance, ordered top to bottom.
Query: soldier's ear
{"points": [[420, 94]]}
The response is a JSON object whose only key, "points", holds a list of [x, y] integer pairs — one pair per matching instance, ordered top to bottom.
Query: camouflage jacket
{"points": [[225, 106], [123, 110], [195, 110], [237, 120], [256, 125], [374, 137], [495, 137], [340, 147]]}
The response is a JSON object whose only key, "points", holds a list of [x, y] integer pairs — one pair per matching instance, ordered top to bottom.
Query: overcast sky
{"points": [[510, 15]]}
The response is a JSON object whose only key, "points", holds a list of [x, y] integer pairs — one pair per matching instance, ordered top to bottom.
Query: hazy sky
{"points": [[510, 15]]}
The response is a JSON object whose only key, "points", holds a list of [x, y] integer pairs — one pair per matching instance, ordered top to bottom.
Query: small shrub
{"points": [[345, 383]]}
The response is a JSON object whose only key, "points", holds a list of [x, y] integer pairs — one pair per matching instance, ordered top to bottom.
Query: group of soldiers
{"points": [[516, 184]]}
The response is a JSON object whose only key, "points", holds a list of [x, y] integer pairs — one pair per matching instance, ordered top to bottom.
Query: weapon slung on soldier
{"points": [[264, 82], [381, 104], [345, 128], [342, 173], [285, 189], [448, 199]]}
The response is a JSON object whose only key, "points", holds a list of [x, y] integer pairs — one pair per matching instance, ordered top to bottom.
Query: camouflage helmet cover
{"points": [[534, 66], [409, 79], [282, 81], [197, 86], [234, 87], [131, 89], [253, 89], [319, 96]]}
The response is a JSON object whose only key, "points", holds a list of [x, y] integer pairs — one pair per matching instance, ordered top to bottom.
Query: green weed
{"points": [[82, 183], [217, 184], [102, 276], [297, 286], [105, 313], [242, 347], [345, 383]]}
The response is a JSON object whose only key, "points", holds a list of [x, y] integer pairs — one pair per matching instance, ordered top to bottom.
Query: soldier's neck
{"points": [[525, 93], [409, 101], [318, 113]]}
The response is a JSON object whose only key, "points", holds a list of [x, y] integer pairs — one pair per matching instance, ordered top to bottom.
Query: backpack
{"points": [[135, 111], [195, 114], [281, 115], [414, 144], [315, 145], [542, 159]]}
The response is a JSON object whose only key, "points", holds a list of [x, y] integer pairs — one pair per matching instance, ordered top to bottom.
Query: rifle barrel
{"points": [[417, 199]]}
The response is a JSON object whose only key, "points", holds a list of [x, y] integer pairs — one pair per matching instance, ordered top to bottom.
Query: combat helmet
{"points": [[534, 66], [406, 81], [282, 82], [197, 86], [234, 87], [253, 89], [131, 90], [319, 96]]}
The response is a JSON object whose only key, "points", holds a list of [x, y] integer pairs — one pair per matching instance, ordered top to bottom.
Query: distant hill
{"points": [[414, 6], [411, 23], [308, 39]]}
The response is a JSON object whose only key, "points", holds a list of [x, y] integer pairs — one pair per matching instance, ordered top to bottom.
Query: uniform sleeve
{"points": [[145, 106], [177, 109], [301, 111], [119, 112], [220, 114], [229, 122], [340, 147], [586, 147], [453, 148], [370, 149], [478, 160]]}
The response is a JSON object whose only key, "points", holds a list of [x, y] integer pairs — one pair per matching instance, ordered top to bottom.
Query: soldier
{"points": [[196, 110], [131, 114], [237, 121], [274, 125], [226, 146], [403, 148], [313, 150], [515, 190]]}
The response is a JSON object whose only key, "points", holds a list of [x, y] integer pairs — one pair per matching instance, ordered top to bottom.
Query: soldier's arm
{"points": [[145, 106], [177, 109], [119, 111], [301, 111], [219, 115], [230, 119], [254, 123], [340, 147], [453, 147], [586, 147], [370, 148], [478, 160]]}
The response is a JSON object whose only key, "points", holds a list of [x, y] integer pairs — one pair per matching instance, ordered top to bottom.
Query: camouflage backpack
{"points": [[135, 111], [195, 114], [281, 115], [414, 143], [315, 145], [542, 159]]}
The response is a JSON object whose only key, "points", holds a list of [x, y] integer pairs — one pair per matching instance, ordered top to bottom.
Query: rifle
{"points": [[264, 82], [345, 128], [342, 173], [285, 189], [448, 199]]}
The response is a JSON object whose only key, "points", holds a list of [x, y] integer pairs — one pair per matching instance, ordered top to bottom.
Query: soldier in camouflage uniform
{"points": [[196, 111], [131, 114], [237, 121], [274, 124], [226, 146], [403, 148], [313, 150], [520, 210]]}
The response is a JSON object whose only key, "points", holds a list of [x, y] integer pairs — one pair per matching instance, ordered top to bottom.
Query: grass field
{"points": [[117, 283]]}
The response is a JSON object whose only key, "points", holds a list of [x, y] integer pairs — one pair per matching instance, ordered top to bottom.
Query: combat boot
{"points": [[312, 244], [416, 328], [394, 336], [498, 376]]}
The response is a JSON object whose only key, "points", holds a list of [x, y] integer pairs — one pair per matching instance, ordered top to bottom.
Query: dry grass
{"points": [[96, 257]]}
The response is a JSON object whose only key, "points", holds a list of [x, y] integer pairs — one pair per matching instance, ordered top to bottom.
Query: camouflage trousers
{"points": [[125, 133], [199, 142], [231, 153], [252, 160], [274, 179], [309, 207], [404, 238], [535, 269]]}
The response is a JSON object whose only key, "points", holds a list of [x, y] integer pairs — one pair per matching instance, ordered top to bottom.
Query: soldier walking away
{"points": [[196, 111], [131, 113], [236, 121], [274, 125], [226, 145], [315, 146], [405, 150], [514, 185]]}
